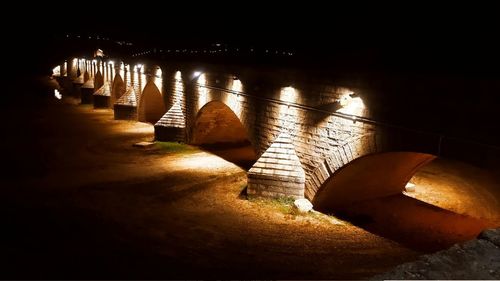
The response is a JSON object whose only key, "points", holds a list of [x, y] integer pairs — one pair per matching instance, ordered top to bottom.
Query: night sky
{"points": [[446, 39]]}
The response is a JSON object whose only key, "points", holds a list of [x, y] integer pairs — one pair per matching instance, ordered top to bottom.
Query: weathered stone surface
{"points": [[104, 90], [87, 91], [129, 98], [125, 112], [173, 118], [170, 134], [278, 171], [410, 187], [303, 205], [491, 235], [476, 259]]}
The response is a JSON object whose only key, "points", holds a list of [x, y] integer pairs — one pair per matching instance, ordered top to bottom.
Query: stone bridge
{"points": [[310, 138]]}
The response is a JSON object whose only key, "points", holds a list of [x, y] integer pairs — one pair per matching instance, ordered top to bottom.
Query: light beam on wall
{"points": [[158, 72], [157, 78], [179, 86], [236, 87], [202, 90], [288, 95], [235, 98], [352, 106], [287, 114]]}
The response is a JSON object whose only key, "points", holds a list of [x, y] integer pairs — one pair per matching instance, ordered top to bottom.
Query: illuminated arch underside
{"points": [[368, 177]]}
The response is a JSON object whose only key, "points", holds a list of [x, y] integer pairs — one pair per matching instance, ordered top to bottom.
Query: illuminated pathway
{"points": [[100, 208]]}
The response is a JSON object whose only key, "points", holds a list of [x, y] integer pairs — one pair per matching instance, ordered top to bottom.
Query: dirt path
{"points": [[82, 202]]}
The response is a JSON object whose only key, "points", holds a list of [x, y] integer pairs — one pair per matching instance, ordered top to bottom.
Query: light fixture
{"points": [[196, 74]]}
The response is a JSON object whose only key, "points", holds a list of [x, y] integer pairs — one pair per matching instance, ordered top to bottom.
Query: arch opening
{"points": [[151, 105], [218, 130], [416, 199]]}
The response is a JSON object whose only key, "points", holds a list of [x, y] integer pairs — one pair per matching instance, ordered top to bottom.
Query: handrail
{"points": [[354, 118]]}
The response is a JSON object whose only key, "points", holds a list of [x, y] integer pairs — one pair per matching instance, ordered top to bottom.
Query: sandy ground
{"points": [[460, 188], [80, 201]]}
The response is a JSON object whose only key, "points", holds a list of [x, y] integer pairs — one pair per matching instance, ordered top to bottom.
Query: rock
{"points": [[143, 144], [410, 187], [303, 205], [492, 235], [477, 259]]}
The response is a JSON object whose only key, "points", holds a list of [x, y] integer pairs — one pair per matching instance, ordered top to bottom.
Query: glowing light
{"points": [[98, 52], [94, 61], [111, 62], [138, 68], [56, 70], [158, 72], [196, 74], [178, 75], [157, 79], [202, 80], [179, 86], [237, 86], [202, 90], [57, 94], [288, 95], [352, 106]]}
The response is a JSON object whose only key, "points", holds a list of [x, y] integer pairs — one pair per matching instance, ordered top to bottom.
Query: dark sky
{"points": [[448, 37]]}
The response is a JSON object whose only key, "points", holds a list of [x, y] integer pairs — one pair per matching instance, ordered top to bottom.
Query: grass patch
{"points": [[175, 147], [282, 204]]}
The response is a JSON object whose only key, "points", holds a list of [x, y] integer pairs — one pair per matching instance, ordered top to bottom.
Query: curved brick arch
{"points": [[151, 105], [216, 122], [218, 129], [382, 140], [367, 177]]}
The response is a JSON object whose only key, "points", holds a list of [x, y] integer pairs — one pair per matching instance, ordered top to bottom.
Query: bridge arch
{"points": [[151, 102], [151, 105], [217, 127], [368, 177]]}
